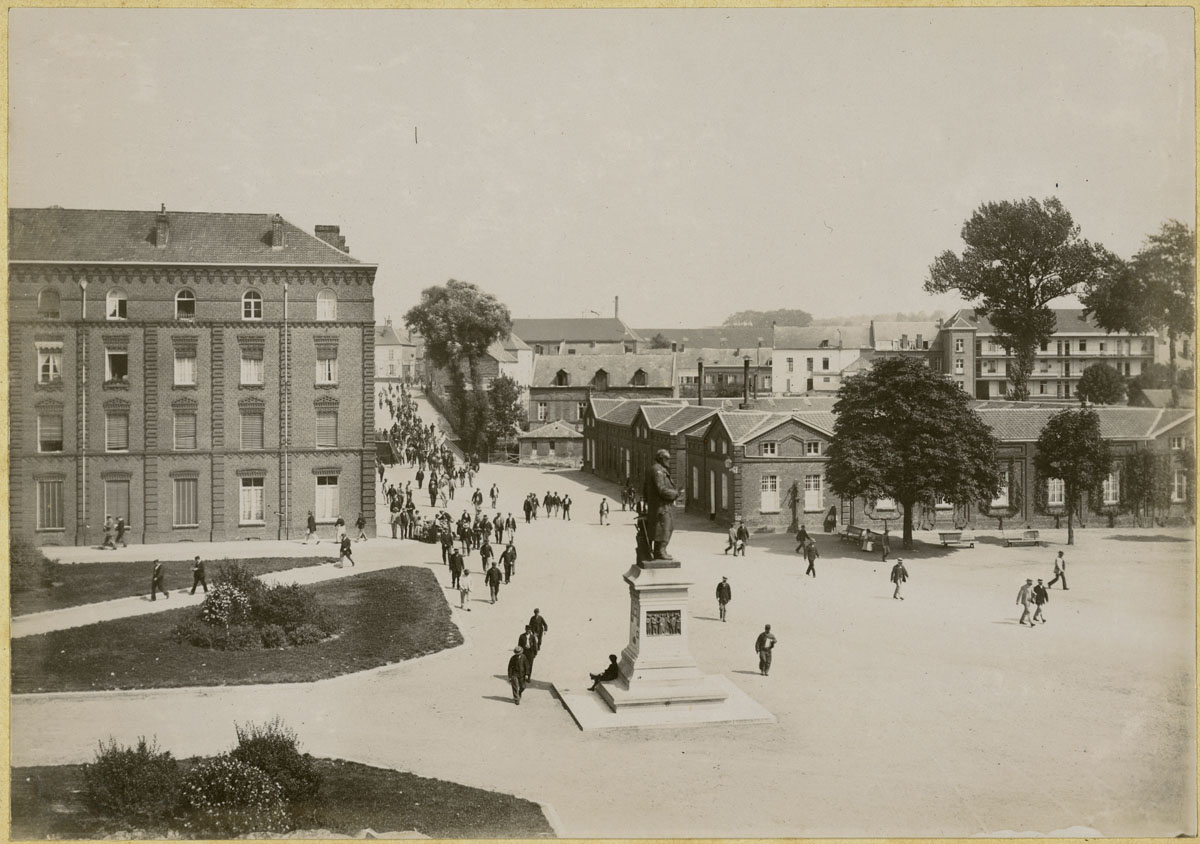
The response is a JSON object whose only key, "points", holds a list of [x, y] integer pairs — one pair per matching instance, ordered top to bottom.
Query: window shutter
{"points": [[327, 428], [185, 430], [252, 430], [117, 434]]}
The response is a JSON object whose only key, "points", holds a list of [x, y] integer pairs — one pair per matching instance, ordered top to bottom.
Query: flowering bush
{"points": [[226, 604], [242, 637], [274, 749], [134, 785], [224, 797]]}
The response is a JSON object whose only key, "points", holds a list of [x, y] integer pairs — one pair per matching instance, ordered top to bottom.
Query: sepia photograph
{"points": [[602, 423]]}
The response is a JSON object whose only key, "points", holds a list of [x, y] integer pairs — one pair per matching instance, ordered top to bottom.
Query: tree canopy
{"points": [[1019, 257], [1155, 291], [763, 319], [660, 341], [1157, 376], [1101, 384], [507, 409], [905, 432], [1071, 449]]}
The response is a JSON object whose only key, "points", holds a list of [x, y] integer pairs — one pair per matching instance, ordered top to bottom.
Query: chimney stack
{"points": [[162, 229], [276, 231], [332, 235], [616, 307], [700, 382], [746, 383]]}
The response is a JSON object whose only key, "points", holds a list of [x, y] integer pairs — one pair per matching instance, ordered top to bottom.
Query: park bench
{"points": [[852, 533], [955, 537], [1025, 537]]}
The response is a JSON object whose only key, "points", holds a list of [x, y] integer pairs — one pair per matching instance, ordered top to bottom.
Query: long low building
{"points": [[768, 467]]}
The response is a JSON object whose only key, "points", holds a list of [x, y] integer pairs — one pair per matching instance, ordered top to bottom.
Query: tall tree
{"points": [[1019, 257], [1155, 291], [763, 319], [459, 321], [1101, 384], [507, 409], [905, 432], [1071, 449]]}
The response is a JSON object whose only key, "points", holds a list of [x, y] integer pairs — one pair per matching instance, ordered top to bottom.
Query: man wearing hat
{"points": [[899, 576], [724, 595], [1040, 596], [1025, 598], [516, 673]]}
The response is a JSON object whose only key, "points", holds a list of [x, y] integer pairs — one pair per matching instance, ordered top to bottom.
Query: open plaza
{"points": [[934, 716]]}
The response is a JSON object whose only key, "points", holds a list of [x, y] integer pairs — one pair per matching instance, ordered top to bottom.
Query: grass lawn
{"points": [[90, 583], [387, 616], [48, 802]]}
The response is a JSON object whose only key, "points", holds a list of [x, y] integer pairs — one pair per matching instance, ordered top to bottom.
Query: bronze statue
{"points": [[659, 495]]}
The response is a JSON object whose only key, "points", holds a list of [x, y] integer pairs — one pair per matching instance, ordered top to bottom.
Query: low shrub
{"points": [[29, 568], [241, 578], [287, 605], [193, 632], [306, 634], [273, 636], [242, 637], [274, 749], [136, 786], [224, 797]]}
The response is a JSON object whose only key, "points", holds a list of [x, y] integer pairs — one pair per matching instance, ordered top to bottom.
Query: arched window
{"points": [[48, 303], [115, 305], [185, 305], [252, 305], [326, 306], [639, 378], [562, 379], [600, 381]]}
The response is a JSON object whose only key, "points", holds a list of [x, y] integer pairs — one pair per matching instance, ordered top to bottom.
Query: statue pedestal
{"points": [[657, 668]]}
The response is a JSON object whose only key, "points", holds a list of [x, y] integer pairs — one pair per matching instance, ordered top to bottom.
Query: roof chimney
{"points": [[162, 228], [276, 232], [332, 236], [616, 307], [388, 322], [700, 381], [746, 382]]}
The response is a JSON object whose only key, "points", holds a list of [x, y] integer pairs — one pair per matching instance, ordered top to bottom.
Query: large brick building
{"points": [[206, 376]]}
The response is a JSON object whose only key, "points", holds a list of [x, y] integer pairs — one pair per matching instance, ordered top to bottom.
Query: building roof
{"points": [[196, 237], [1068, 321], [595, 330], [385, 335], [889, 335], [812, 336], [717, 337], [725, 357], [581, 369], [1162, 398], [601, 407], [656, 413], [684, 418], [1025, 424], [556, 430]]}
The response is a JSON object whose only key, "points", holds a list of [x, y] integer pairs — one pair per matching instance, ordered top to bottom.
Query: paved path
{"points": [[933, 716]]}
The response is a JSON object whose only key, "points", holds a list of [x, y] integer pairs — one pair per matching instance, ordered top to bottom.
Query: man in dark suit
{"points": [[492, 579], [537, 622], [529, 644], [516, 674], [607, 675]]}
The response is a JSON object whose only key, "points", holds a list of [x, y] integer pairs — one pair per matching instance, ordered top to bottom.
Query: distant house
{"points": [[597, 336], [395, 353], [811, 359], [724, 370], [562, 384], [556, 443]]}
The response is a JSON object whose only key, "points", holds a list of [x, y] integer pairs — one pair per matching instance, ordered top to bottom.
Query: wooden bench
{"points": [[853, 533], [955, 537], [1025, 537]]}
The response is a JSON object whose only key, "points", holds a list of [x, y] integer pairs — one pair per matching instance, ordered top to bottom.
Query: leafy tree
{"points": [[1019, 257], [1155, 291], [763, 319], [459, 321], [660, 341], [1101, 384], [507, 409], [905, 432], [1070, 448], [1148, 478]]}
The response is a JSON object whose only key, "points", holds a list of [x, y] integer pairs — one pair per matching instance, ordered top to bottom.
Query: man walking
{"points": [[566, 507], [603, 511], [361, 524], [743, 538], [732, 540], [811, 553], [508, 557], [456, 568], [1060, 571], [899, 577], [198, 578], [492, 578], [156, 582], [464, 588], [724, 595], [1041, 595], [1025, 598], [537, 623], [529, 645], [763, 645], [516, 673]]}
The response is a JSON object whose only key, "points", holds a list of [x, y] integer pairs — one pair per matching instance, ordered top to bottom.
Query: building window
{"points": [[116, 305], [185, 305], [252, 305], [48, 306], [326, 306], [958, 345], [1083, 345], [1103, 345], [1046, 346], [537, 349], [50, 363], [808, 364], [824, 364], [252, 365], [790, 365], [116, 366], [327, 366], [958, 366], [185, 367], [561, 378], [639, 378], [825, 379], [600, 381], [1041, 388], [1067, 389], [580, 408], [541, 411], [327, 427], [252, 429], [116, 430], [185, 430], [50, 431], [1177, 443], [812, 447], [550, 449], [767, 449], [695, 482], [769, 486], [1179, 486], [1111, 489], [724, 491], [1056, 492], [812, 494], [327, 498], [1001, 499], [116, 500], [49, 505], [186, 509], [252, 509]]}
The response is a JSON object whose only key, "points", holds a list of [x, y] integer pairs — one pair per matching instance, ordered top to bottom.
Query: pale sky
{"points": [[692, 162]]}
